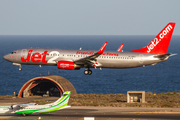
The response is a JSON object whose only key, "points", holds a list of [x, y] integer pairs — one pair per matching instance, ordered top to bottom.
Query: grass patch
{"points": [[169, 99]]}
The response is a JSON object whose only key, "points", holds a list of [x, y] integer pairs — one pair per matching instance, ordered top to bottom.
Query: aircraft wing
{"points": [[90, 60], [26, 105]]}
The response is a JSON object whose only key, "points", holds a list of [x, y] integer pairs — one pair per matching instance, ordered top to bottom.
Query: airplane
{"points": [[153, 53], [31, 108]]}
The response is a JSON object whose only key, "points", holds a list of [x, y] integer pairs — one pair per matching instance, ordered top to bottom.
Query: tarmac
{"points": [[105, 113]]}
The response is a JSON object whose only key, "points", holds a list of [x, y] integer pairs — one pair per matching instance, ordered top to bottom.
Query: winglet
{"points": [[121, 47], [102, 48]]}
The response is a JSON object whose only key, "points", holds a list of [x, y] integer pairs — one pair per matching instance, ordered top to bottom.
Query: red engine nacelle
{"points": [[68, 65]]}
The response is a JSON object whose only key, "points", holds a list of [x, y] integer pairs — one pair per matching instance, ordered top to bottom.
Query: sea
{"points": [[162, 77]]}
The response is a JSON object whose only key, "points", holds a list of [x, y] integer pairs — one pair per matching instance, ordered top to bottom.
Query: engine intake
{"points": [[68, 65]]}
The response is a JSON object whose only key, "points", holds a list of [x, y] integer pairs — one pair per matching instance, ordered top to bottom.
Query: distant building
{"points": [[135, 96]]}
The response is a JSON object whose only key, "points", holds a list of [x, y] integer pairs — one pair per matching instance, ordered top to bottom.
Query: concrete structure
{"points": [[51, 85], [136, 96]]}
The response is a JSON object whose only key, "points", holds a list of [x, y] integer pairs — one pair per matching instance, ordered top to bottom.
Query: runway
{"points": [[106, 113]]}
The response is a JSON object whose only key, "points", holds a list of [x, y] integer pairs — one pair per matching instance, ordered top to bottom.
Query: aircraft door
{"points": [[24, 53]]}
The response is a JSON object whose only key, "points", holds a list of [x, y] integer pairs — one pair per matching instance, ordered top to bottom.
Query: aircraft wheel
{"points": [[20, 69], [86, 72], [90, 72]]}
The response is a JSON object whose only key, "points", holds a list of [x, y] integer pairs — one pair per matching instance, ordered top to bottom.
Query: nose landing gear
{"points": [[17, 64], [20, 68]]}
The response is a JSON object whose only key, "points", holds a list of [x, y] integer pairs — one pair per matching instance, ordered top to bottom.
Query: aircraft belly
{"points": [[39, 63], [127, 63]]}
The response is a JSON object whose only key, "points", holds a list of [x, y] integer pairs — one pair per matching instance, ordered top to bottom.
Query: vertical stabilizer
{"points": [[160, 44], [65, 95], [61, 103]]}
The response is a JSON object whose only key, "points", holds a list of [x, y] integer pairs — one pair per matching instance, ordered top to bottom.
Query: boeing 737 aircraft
{"points": [[152, 54], [30, 108]]}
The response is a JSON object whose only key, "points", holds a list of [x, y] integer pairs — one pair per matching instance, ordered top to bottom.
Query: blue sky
{"points": [[87, 17]]}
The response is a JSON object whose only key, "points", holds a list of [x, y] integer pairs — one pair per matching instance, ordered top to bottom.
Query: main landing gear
{"points": [[87, 72]]}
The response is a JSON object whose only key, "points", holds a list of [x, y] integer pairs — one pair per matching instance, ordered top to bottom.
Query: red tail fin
{"points": [[159, 45]]}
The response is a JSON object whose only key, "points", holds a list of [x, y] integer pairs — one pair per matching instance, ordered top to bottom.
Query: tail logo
{"points": [[168, 28], [161, 36]]}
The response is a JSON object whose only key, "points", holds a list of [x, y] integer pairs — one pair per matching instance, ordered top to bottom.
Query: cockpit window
{"points": [[13, 52]]}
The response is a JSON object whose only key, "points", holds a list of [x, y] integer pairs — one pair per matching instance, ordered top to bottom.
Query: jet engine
{"points": [[68, 65]]}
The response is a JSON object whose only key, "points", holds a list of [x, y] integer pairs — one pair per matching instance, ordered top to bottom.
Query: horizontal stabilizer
{"points": [[163, 57]]}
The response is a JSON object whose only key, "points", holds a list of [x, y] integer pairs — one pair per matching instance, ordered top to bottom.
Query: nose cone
{"points": [[6, 57]]}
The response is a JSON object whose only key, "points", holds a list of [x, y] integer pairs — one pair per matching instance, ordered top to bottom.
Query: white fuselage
{"points": [[109, 59]]}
